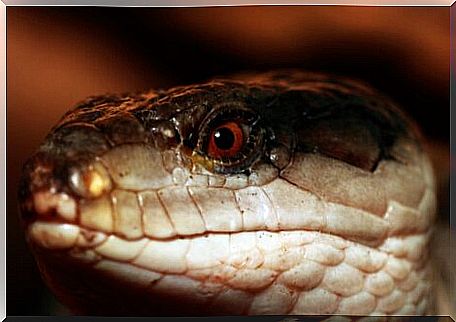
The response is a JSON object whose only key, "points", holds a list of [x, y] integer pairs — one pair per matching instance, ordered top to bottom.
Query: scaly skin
{"points": [[328, 209]]}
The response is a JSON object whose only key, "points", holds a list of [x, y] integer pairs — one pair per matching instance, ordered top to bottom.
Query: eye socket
{"points": [[226, 140], [230, 140]]}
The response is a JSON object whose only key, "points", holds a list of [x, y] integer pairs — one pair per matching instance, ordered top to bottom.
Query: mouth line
{"points": [[56, 217], [103, 219], [56, 227], [90, 247]]}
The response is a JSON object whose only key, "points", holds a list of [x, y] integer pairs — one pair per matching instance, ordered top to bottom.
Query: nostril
{"points": [[90, 181]]}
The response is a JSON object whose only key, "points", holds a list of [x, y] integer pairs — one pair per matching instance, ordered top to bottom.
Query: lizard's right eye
{"points": [[231, 139]]}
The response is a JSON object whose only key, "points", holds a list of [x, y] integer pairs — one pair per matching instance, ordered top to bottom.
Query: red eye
{"points": [[226, 140]]}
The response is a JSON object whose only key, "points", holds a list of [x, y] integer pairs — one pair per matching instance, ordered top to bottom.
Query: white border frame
{"points": [[144, 3]]}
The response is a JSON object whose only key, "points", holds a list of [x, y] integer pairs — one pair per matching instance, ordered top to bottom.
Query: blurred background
{"points": [[58, 56]]}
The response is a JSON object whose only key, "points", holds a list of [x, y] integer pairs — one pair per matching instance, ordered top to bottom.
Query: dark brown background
{"points": [[58, 56]]}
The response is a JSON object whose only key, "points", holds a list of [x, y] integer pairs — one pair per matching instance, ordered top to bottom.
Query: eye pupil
{"points": [[224, 138]]}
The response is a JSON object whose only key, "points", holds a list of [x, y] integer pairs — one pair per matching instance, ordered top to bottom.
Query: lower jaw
{"points": [[307, 273]]}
